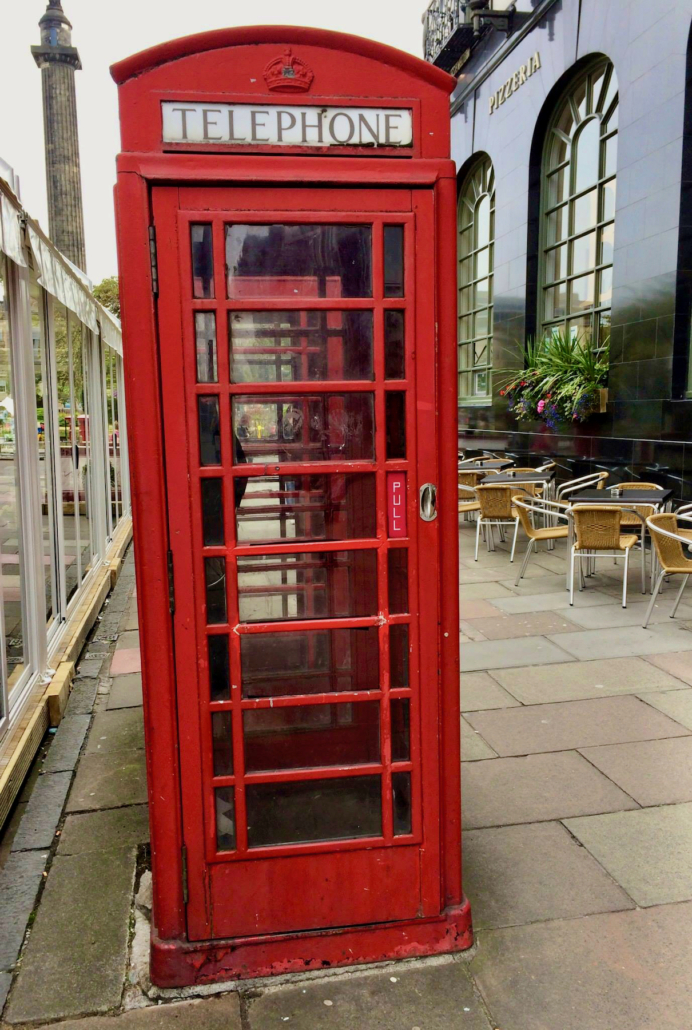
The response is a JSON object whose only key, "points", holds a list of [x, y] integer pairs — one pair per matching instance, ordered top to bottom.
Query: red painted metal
{"points": [[330, 578]]}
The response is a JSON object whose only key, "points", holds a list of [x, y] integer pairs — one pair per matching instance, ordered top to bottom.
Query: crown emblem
{"points": [[288, 74]]}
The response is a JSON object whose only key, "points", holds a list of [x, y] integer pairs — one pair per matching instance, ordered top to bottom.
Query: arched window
{"points": [[578, 200], [476, 228]]}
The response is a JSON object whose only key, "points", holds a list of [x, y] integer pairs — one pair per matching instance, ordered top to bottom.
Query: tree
{"points": [[107, 293]]}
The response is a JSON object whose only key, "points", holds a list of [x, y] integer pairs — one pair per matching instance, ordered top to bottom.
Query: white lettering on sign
{"points": [[514, 82], [287, 126]]}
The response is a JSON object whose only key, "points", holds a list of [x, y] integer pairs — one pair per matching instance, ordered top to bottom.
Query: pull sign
{"points": [[396, 504]]}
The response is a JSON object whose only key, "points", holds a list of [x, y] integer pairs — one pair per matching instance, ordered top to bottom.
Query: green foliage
{"points": [[108, 293], [560, 380]]}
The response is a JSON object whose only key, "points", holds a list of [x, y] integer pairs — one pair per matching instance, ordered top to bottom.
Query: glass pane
{"points": [[587, 146], [610, 153], [557, 186], [608, 201], [584, 212], [483, 222], [557, 225], [466, 238], [607, 240], [584, 253], [299, 260], [202, 261], [394, 261], [482, 263], [556, 264], [605, 288], [481, 293], [581, 293], [466, 300], [555, 301], [481, 323], [466, 328], [603, 328], [580, 329], [394, 345], [205, 346], [295, 346], [480, 384], [395, 419], [306, 427], [209, 431], [45, 439], [79, 446], [67, 453], [305, 507], [212, 513], [12, 568], [397, 573], [215, 579], [321, 584], [398, 656], [314, 661], [219, 669], [401, 729], [309, 736], [222, 743], [401, 803], [291, 813], [225, 818]]}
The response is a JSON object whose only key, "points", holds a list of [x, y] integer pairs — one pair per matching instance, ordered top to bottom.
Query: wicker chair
{"points": [[596, 479], [467, 483], [496, 509], [525, 509], [640, 514], [597, 529], [670, 545]]}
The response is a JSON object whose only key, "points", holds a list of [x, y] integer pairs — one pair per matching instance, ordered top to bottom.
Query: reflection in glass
{"points": [[587, 145], [608, 201], [585, 211], [557, 225], [584, 253], [202, 261], [298, 261], [394, 261], [556, 264], [581, 293], [205, 346], [300, 346], [394, 352], [395, 420], [306, 427], [209, 430], [45, 439], [82, 443], [67, 448], [114, 489], [307, 507], [212, 513], [397, 576], [215, 580], [319, 584], [398, 656], [319, 661], [219, 668], [401, 729], [310, 736], [222, 743], [401, 803], [292, 813], [225, 818]]}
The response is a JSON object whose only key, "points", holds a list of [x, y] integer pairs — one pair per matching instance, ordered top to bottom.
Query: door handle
{"points": [[428, 502]]}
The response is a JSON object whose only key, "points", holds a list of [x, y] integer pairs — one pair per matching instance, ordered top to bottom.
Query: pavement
{"points": [[577, 815]]}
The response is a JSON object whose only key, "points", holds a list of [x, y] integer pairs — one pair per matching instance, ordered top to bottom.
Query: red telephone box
{"points": [[286, 230]]}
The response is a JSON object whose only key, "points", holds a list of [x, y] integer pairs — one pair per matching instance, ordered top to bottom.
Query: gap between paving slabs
{"points": [[33, 848]]}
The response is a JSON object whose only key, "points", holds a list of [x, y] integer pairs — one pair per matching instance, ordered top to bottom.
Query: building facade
{"points": [[571, 131], [64, 486]]}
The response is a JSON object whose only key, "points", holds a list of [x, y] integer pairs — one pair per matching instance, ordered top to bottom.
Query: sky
{"points": [[105, 31]]}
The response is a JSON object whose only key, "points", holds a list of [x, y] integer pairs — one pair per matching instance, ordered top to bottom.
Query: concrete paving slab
{"points": [[549, 561], [482, 574], [539, 582], [480, 591], [551, 601], [477, 610], [615, 615], [131, 620], [525, 624], [469, 631], [127, 639], [620, 643], [498, 654], [127, 660], [678, 664], [90, 668], [581, 680], [126, 692], [479, 692], [82, 697], [675, 703], [572, 724], [121, 730], [66, 744], [473, 747], [653, 772], [109, 780], [536, 788], [43, 811], [112, 828], [646, 851], [522, 874], [20, 879], [75, 959], [616, 971], [5, 982], [436, 996], [221, 1012]]}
